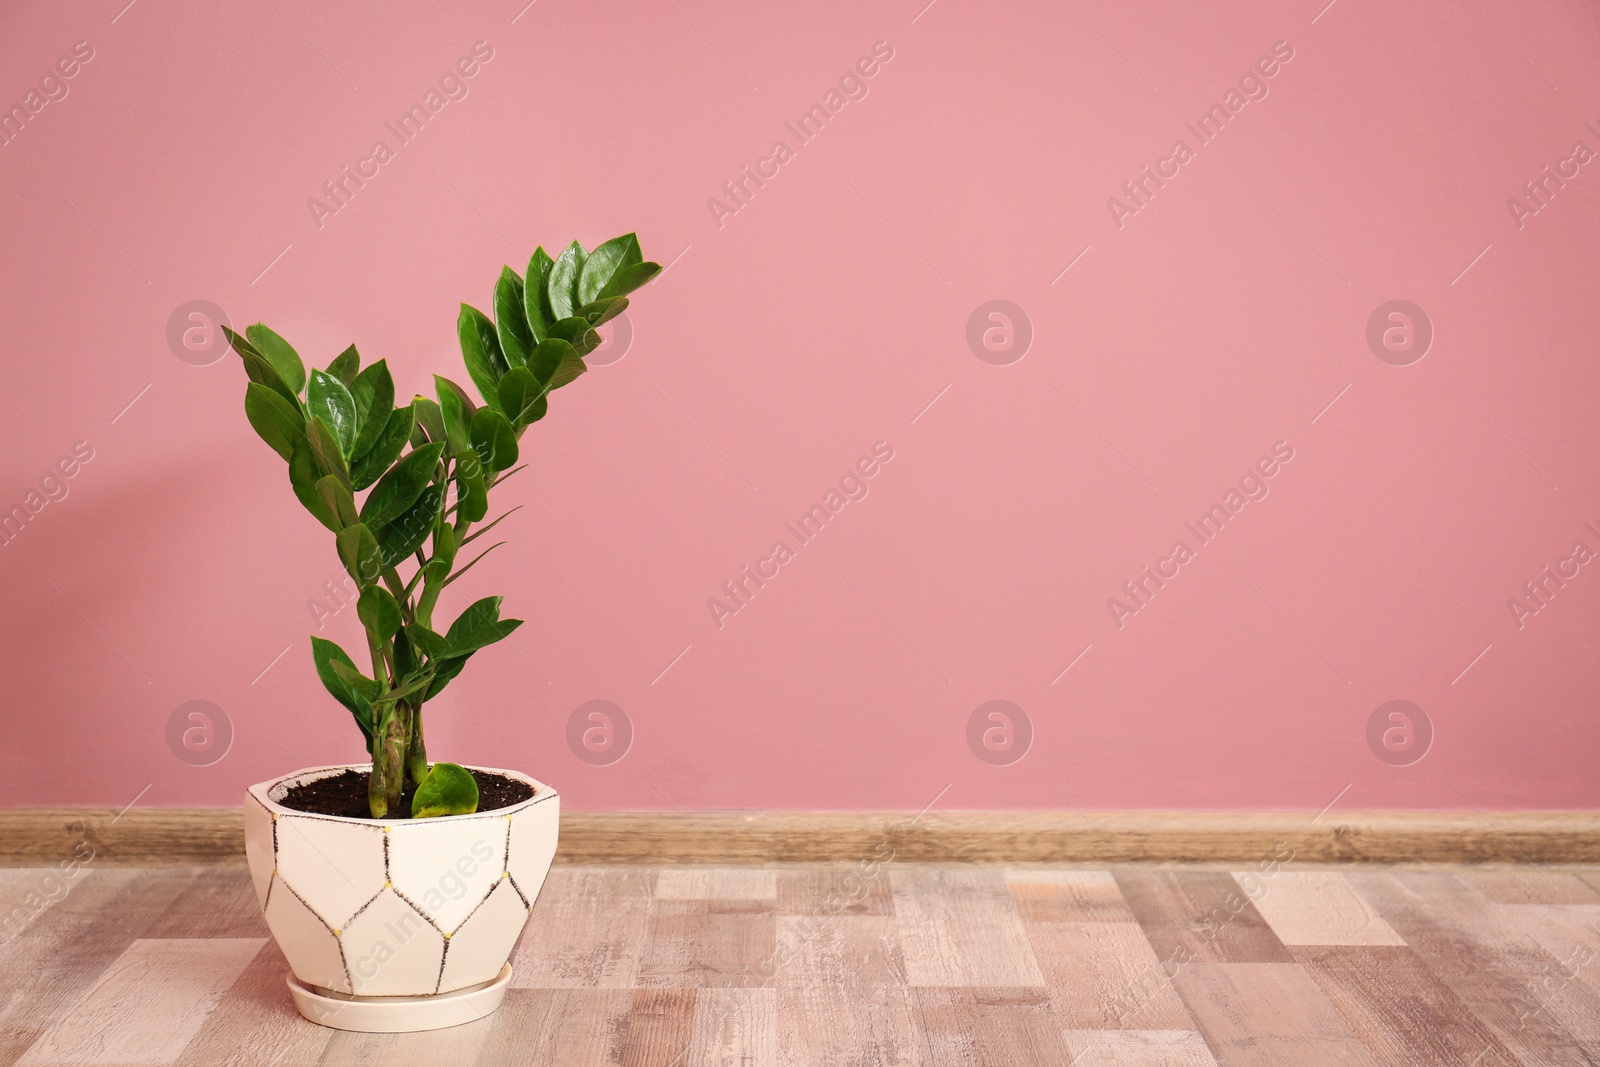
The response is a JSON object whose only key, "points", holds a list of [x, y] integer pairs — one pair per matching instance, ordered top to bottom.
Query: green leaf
{"points": [[604, 262], [628, 279], [562, 285], [535, 300], [602, 311], [511, 318], [577, 332], [480, 349], [278, 352], [555, 363], [345, 365], [257, 369], [373, 392], [522, 398], [328, 399], [456, 408], [430, 421], [279, 424], [494, 440], [325, 447], [385, 450], [303, 477], [400, 488], [472, 492], [337, 496], [405, 535], [445, 546], [358, 551], [379, 612], [478, 626], [434, 645], [444, 671], [349, 691], [447, 789]]}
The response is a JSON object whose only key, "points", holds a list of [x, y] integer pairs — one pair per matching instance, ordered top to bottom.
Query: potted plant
{"points": [[395, 887]]}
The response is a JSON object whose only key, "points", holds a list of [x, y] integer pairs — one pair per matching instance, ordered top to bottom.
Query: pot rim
{"points": [[262, 793]]}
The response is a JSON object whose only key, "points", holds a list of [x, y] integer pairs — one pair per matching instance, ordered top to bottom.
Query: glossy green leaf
{"points": [[604, 262], [628, 279], [562, 285], [535, 298], [602, 311], [511, 318], [577, 332], [480, 349], [280, 354], [554, 362], [345, 365], [257, 369], [373, 392], [522, 398], [328, 399], [456, 408], [430, 421], [279, 424], [494, 440], [325, 447], [385, 450], [304, 473], [399, 489], [472, 492], [337, 496], [406, 534], [445, 546], [358, 551], [379, 611], [478, 626], [431, 644], [405, 657], [443, 671], [347, 690], [448, 789]]}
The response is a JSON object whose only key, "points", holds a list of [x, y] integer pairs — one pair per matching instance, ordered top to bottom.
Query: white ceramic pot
{"points": [[397, 924]]}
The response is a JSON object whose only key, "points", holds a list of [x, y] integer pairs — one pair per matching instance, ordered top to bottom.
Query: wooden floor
{"points": [[1281, 965]]}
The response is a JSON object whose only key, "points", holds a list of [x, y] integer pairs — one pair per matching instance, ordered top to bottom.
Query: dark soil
{"points": [[345, 794]]}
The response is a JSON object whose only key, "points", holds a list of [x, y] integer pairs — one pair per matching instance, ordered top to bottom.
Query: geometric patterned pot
{"points": [[397, 907]]}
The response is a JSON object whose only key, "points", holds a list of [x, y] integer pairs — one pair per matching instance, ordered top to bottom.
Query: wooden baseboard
{"points": [[164, 837]]}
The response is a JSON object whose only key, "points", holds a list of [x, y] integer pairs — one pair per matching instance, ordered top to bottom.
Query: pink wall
{"points": [[1187, 339]]}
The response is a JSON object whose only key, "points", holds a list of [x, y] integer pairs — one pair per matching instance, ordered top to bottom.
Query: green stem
{"points": [[416, 749], [377, 792]]}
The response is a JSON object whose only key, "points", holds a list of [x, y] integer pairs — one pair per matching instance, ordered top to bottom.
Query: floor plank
{"points": [[716, 883], [839, 890], [1046, 896], [1317, 908], [1199, 916], [959, 927], [588, 929], [704, 943], [1104, 976], [842, 994], [147, 1004], [1401, 1011], [1268, 1015], [256, 1022], [558, 1026], [990, 1026], [660, 1028], [734, 1028], [1139, 1048]]}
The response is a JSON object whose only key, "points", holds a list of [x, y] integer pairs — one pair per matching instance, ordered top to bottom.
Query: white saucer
{"points": [[398, 1015]]}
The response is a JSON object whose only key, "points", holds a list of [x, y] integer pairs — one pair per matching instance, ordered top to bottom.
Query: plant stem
{"points": [[416, 750], [394, 755], [377, 794]]}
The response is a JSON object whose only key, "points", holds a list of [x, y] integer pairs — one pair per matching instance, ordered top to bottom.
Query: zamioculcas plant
{"points": [[426, 470]]}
